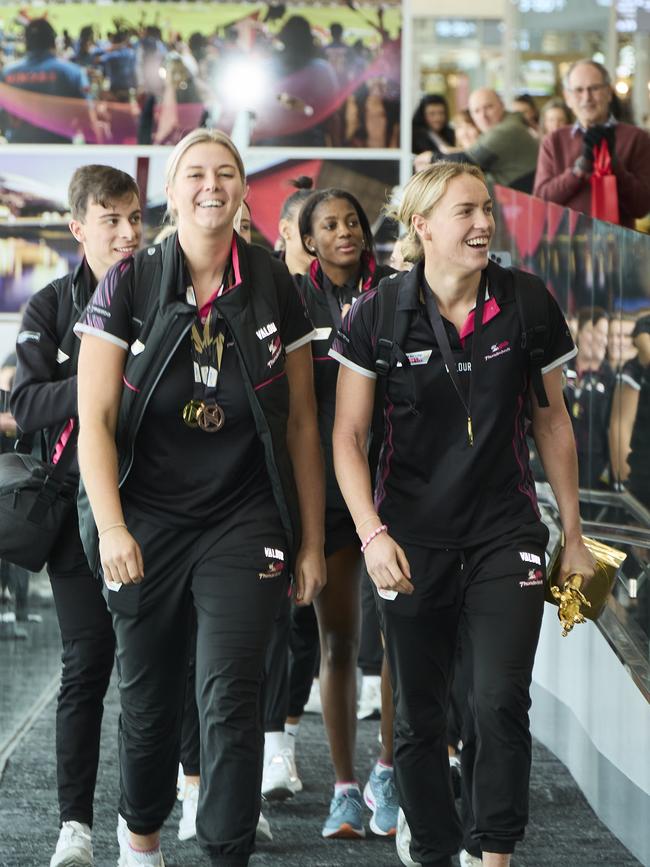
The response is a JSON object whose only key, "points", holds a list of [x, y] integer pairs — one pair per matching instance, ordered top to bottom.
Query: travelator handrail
{"points": [[621, 632]]}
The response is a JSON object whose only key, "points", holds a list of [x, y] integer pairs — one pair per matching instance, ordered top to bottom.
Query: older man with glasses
{"points": [[567, 156]]}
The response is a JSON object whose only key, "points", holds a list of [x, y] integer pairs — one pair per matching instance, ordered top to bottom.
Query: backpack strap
{"points": [[532, 307], [393, 325], [393, 328]]}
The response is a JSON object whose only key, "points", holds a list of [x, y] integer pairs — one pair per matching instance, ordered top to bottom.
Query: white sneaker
{"points": [[313, 702], [369, 706], [280, 779], [180, 783], [187, 824], [263, 831], [122, 839], [403, 841], [74, 847], [125, 859], [468, 860]]}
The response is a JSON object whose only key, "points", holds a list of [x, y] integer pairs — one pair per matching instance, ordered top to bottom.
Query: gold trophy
{"points": [[574, 605]]}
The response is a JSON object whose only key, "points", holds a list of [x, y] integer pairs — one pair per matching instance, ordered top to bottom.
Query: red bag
{"points": [[604, 193]]}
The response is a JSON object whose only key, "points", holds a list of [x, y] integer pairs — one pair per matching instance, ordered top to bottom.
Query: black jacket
{"points": [[162, 318], [44, 394]]}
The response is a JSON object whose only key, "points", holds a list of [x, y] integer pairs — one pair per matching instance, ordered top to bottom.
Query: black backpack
{"points": [[394, 326]]}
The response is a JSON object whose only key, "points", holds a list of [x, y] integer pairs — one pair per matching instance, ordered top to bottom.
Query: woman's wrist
{"points": [[366, 525], [109, 527], [372, 536]]}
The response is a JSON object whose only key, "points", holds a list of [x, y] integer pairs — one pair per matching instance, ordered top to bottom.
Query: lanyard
{"points": [[443, 342], [207, 352]]}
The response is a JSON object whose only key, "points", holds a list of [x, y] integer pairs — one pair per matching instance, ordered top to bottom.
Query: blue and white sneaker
{"points": [[380, 795], [346, 816]]}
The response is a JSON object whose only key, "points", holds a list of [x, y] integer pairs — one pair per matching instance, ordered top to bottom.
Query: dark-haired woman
{"points": [[431, 127], [335, 229], [296, 258]]}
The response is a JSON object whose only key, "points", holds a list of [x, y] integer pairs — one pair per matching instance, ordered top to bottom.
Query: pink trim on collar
{"points": [[490, 310]]}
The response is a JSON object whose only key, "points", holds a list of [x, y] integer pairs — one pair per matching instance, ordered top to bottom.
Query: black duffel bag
{"points": [[35, 499]]}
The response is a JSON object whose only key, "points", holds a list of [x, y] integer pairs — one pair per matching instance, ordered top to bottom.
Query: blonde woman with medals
{"points": [[200, 459]]}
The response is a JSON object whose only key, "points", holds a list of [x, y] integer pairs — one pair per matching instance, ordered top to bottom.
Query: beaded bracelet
{"points": [[382, 529]]}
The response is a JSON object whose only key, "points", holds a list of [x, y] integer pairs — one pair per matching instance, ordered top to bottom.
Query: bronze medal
{"points": [[210, 417]]}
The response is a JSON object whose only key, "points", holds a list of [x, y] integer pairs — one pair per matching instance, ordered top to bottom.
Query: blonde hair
{"points": [[200, 136], [421, 195]]}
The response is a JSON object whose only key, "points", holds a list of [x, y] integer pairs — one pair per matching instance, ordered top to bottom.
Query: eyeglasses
{"points": [[590, 89]]}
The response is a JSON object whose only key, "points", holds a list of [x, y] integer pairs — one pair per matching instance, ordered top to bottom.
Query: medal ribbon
{"points": [[207, 345], [445, 348]]}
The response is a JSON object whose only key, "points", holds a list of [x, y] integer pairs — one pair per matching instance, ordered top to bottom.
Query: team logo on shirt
{"points": [[266, 331], [275, 348], [498, 349], [275, 566], [535, 577]]}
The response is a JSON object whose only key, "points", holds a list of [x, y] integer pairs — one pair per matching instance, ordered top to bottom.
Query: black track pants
{"points": [[232, 574], [496, 591], [87, 661]]}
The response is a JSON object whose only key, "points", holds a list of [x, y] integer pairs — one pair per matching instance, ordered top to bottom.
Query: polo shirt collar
{"points": [[577, 126], [409, 296]]}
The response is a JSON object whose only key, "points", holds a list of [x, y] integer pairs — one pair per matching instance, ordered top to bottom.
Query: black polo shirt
{"points": [[181, 475], [432, 487]]}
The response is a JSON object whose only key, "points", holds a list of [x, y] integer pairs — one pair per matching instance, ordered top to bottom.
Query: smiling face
{"points": [[587, 95], [206, 190], [110, 233], [456, 234], [336, 237]]}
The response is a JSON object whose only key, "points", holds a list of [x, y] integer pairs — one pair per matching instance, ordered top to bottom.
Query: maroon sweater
{"points": [[555, 181]]}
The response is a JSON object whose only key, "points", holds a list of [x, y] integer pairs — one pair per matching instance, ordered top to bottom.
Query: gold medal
{"points": [[191, 412], [210, 417]]}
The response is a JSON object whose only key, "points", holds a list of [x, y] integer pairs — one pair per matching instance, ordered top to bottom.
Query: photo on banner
{"points": [[273, 74], [36, 245]]}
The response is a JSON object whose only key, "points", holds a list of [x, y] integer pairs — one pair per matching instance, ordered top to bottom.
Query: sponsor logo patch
{"points": [[266, 331], [137, 347], [498, 349], [61, 356], [421, 357], [276, 553], [530, 558], [275, 566]]}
